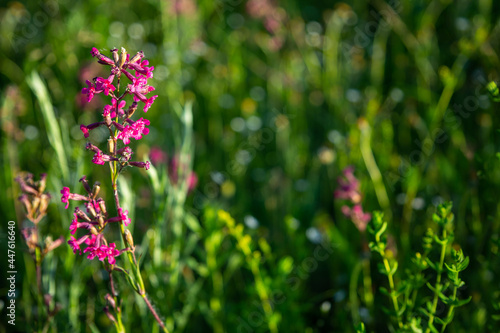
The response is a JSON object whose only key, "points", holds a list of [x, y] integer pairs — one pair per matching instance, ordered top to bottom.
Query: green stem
{"points": [[438, 282], [392, 289]]}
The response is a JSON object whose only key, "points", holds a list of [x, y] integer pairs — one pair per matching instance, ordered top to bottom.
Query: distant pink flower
{"points": [[157, 156], [192, 181], [348, 186], [357, 216]]}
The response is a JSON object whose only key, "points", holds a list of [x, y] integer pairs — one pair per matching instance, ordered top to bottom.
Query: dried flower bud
{"points": [[42, 183], [35, 203], [44, 203], [27, 204]]}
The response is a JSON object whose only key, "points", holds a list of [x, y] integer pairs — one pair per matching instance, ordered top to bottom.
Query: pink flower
{"points": [[94, 52], [105, 85], [90, 91], [149, 102], [111, 109], [135, 129], [85, 130], [157, 156], [99, 158], [192, 181], [348, 186], [65, 196], [124, 216], [357, 216], [74, 224], [73, 242]]}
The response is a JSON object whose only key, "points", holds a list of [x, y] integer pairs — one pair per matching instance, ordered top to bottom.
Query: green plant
{"points": [[411, 303]]}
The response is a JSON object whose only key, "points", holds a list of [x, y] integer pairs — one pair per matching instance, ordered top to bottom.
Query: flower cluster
{"points": [[115, 117], [349, 190], [93, 220]]}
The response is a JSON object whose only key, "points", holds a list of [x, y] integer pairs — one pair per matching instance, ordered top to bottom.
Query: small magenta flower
{"points": [[105, 85], [90, 91], [65, 196], [124, 216]]}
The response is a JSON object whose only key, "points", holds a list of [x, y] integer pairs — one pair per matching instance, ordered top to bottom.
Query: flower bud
{"points": [[123, 56], [116, 57], [137, 57], [131, 110], [111, 146], [84, 180], [42, 183], [96, 189], [44, 203], [27, 204], [102, 205], [130, 239], [110, 300], [110, 316]]}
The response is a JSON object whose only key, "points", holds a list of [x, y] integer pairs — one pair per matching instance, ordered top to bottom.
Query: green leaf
{"points": [[360, 328]]}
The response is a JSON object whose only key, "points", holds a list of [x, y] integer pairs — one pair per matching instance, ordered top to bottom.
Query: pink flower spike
{"points": [[94, 52], [149, 102], [65, 196], [124, 216]]}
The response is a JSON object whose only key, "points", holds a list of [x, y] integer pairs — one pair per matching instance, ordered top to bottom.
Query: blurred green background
{"points": [[284, 96]]}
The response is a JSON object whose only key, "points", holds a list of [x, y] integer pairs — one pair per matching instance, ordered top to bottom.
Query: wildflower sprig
{"points": [[36, 201], [96, 218], [409, 298]]}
